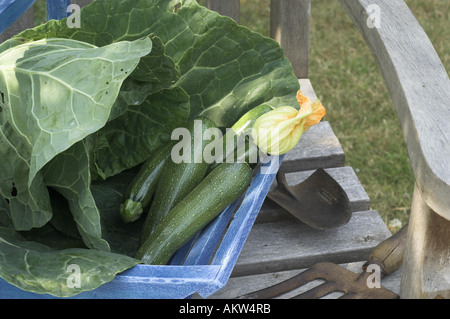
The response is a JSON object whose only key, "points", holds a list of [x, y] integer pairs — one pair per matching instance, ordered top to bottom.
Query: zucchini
{"points": [[248, 119], [243, 125], [178, 179], [219, 189], [141, 190]]}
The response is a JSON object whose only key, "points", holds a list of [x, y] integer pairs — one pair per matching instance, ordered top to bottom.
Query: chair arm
{"points": [[420, 90]]}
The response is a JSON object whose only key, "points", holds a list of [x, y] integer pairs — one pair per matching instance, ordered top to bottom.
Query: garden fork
{"points": [[388, 256]]}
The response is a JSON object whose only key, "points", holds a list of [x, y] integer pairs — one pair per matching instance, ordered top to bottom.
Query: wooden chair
{"points": [[280, 246]]}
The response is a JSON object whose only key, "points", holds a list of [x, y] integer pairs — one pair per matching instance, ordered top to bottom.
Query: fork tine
{"points": [[284, 286], [318, 291], [349, 295]]}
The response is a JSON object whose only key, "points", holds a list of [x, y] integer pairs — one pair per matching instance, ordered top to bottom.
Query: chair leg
{"points": [[426, 264]]}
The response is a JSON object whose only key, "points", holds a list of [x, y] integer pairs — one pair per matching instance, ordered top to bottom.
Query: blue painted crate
{"points": [[11, 10], [203, 265]]}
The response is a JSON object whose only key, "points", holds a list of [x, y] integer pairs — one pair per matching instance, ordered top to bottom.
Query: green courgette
{"points": [[234, 136], [179, 178], [220, 188], [141, 190]]}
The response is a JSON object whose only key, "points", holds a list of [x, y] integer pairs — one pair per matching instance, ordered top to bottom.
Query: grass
{"points": [[40, 11], [349, 84]]}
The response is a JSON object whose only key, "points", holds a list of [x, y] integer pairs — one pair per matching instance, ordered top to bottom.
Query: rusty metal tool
{"points": [[319, 201], [388, 255]]}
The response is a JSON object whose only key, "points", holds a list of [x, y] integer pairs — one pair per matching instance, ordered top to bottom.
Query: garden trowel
{"points": [[319, 201]]}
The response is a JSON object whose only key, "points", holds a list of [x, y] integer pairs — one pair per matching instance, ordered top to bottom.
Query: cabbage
{"points": [[82, 108]]}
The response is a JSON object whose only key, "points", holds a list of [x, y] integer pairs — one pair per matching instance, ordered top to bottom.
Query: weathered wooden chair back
{"points": [[289, 26], [420, 91]]}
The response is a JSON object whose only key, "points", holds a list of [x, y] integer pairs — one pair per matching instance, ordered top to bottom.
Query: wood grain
{"points": [[229, 8], [289, 26], [317, 148], [290, 244], [426, 265]]}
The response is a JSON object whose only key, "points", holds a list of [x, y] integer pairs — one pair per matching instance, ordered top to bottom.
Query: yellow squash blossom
{"points": [[278, 131]]}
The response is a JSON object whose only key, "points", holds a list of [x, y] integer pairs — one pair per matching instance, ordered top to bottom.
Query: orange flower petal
{"points": [[302, 99], [318, 112], [278, 131]]}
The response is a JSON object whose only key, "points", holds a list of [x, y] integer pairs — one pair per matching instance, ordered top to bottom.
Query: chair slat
{"points": [[229, 8], [289, 26], [290, 244]]}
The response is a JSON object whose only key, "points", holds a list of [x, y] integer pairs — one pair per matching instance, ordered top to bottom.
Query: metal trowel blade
{"points": [[319, 201]]}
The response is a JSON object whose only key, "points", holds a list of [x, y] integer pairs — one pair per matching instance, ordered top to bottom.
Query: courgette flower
{"points": [[278, 131]]}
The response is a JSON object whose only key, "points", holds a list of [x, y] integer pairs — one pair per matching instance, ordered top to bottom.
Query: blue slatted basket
{"points": [[203, 265]]}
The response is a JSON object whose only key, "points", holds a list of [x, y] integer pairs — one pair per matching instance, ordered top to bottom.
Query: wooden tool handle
{"points": [[389, 253]]}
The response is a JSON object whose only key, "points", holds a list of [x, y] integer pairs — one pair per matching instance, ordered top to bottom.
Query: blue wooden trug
{"points": [[57, 9], [11, 10], [189, 274]]}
